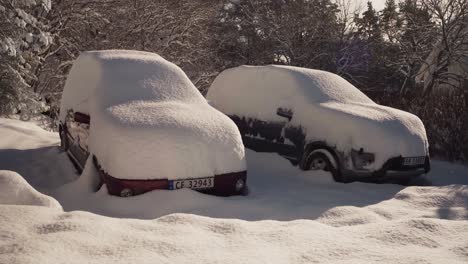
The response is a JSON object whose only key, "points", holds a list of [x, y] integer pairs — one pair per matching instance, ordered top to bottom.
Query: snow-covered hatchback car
{"points": [[318, 120], [147, 127]]}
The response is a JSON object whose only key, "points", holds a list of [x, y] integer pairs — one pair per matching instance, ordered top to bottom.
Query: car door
{"points": [[258, 135], [268, 136], [292, 137]]}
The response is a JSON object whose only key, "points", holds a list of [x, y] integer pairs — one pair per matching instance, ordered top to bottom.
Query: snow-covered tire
{"points": [[321, 159]]}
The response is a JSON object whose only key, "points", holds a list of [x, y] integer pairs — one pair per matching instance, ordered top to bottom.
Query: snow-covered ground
{"points": [[290, 216]]}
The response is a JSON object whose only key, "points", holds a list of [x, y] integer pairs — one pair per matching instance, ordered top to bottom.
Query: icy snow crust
{"points": [[326, 106], [148, 121]]}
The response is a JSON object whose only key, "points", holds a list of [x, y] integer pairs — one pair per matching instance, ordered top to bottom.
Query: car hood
{"points": [[384, 131], [165, 140]]}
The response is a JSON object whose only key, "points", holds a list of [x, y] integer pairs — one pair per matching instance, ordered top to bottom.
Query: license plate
{"points": [[412, 161], [196, 184]]}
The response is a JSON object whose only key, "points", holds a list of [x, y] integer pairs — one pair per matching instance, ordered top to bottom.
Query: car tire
{"points": [[318, 160], [245, 191]]}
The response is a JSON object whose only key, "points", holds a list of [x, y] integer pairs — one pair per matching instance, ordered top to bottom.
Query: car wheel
{"points": [[318, 160], [240, 188], [245, 191], [126, 192]]}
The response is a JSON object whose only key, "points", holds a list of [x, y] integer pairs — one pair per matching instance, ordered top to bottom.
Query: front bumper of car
{"points": [[393, 169], [224, 184]]}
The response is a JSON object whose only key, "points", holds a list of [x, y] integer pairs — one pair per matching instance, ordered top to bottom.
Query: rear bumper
{"points": [[393, 169], [224, 184]]}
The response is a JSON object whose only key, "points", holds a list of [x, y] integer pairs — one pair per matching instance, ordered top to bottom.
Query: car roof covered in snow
{"points": [[119, 76], [316, 85], [257, 89]]}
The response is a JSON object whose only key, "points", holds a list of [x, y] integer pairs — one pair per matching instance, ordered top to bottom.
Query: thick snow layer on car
{"points": [[324, 105], [148, 121], [15, 190], [290, 216]]}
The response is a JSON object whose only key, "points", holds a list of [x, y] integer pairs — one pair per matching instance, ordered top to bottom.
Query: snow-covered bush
{"points": [[23, 37]]}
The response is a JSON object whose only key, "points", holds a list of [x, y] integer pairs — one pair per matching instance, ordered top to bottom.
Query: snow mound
{"points": [[327, 107], [148, 121], [15, 190], [349, 216], [79, 237]]}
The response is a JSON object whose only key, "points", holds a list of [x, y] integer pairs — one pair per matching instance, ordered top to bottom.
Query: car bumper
{"points": [[393, 170], [224, 184]]}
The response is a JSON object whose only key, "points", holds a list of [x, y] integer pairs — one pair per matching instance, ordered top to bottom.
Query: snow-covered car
{"points": [[319, 121], [147, 127]]}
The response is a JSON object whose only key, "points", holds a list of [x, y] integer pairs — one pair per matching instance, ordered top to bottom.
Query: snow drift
{"points": [[326, 106], [148, 121], [15, 190], [46, 236]]}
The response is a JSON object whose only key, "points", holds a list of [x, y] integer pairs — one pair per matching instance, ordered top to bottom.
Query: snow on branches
{"points": [[23, 37]]}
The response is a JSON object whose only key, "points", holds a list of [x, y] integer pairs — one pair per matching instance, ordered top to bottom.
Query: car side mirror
{"points": [[284, 112], [81, 118]]}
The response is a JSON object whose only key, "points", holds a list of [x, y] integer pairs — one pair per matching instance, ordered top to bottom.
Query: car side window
{"points": [[81, 118], [77, 124]]}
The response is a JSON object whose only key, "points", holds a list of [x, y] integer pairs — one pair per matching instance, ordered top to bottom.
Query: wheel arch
{"points": [[323, 147]]}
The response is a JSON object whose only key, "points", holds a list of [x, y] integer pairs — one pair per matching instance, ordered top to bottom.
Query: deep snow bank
{"points": [[324, 105], [148, 121], [15, 190], [46, 235]]}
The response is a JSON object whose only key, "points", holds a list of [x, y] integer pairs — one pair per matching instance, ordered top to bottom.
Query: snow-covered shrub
{"points": [[23, 38]]}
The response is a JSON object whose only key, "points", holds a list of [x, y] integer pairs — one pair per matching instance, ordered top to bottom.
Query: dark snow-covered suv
{"points": [[320, 121], [147, 127]]}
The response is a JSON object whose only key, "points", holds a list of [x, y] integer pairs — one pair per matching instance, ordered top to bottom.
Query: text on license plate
{"points": [[414, 161], [202, 183]]}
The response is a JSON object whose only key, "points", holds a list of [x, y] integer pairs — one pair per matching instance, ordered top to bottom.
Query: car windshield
{"points": [[129, 79]]}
